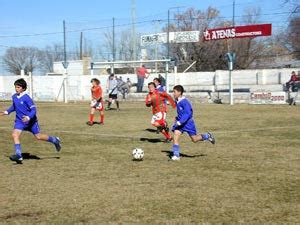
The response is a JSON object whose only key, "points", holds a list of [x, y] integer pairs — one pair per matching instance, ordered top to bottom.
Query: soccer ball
{"points": [[138, 154]]}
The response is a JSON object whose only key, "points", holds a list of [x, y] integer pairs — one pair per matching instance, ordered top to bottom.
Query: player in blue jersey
{"points": [[159, 86], [26, 120], [184, 122]]}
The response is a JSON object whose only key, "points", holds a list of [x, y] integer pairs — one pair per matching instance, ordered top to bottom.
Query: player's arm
{"points": [[169, 98], [148, 100], [9, 110], [32, 111], [187, 114]]}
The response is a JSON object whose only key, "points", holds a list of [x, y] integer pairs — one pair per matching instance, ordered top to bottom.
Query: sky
{"points": [[19, 18]]}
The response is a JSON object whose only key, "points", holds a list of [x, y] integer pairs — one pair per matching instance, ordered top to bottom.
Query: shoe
{"points": [[106, 109], [89, 123], [100, 123], [211, 138], [168, 140], [57, 144], [175, 158], [17, 159]]}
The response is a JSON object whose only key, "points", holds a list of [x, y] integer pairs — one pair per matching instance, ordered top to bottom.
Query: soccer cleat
{"points": [[89, 123], [211, 138], [168, 140], [57, 144], [175, 158], [17, 159]]}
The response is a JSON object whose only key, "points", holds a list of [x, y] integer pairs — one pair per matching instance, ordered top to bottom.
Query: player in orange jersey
{"points": [[156, 100], [97, 102]]}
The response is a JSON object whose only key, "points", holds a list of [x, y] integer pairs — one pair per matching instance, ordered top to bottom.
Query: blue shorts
{"points": [[32, 127], [188, 127]]}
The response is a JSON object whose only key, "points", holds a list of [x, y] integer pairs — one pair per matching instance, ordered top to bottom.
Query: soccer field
{"points": [[251, 175]]}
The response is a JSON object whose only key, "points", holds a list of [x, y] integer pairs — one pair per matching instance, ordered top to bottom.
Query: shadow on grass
{"points": [[151, 130], [152, 140], [170, 154], [28, 156]]}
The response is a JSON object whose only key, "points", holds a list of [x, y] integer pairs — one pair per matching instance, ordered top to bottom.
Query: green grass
{"points": [[251, 175]]}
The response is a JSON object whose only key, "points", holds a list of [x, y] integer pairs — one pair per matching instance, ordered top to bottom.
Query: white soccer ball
{"points": [[138, 154]]}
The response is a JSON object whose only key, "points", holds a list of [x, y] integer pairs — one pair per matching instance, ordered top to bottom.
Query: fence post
{"points": [[31, 85], [66, 86]]}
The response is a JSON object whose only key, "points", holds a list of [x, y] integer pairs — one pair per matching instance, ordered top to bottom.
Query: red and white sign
{"points": [[238, 32], [278, 97]]}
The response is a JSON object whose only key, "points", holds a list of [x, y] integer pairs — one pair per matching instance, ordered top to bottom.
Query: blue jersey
{"points": [[161, 88], [23, 106], [184, 111], [184, 119]]}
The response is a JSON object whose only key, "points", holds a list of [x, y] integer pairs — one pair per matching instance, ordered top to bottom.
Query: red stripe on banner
{"points": [[238, 32]]}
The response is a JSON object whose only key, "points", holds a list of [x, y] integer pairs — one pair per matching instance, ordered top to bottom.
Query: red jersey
{"points": [[142, 72], [96, 92], [156, 100]]}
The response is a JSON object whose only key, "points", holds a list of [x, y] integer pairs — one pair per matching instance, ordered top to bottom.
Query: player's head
{"points": [[293, 73], [112, 76], [157, 81], [95, 82], [20, 85], [151, 86], [178, 91]]}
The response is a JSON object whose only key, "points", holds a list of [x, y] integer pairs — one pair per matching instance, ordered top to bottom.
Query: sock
{"points": [[117, 102], [109, 104], [91, 118], [101, 118], [166, 134], [205, 136], [52, 139], [18, 150], [176, 150]]}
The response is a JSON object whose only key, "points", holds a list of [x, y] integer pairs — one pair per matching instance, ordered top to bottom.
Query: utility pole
{"points": [[133, 34], [81, 37], [65, 47], [113, 47], [231, 59], [65, 65]]}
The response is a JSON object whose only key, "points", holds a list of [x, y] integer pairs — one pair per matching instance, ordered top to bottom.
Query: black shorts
{"points": [[113, 96]]}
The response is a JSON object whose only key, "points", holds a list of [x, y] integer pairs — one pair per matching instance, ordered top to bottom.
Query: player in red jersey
{"points": [[156, 100], [97, 102]]}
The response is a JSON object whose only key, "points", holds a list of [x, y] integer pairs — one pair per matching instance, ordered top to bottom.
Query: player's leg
{"points": [[109, 102], [117, 102], [101, 116], [91, 117], [159, 122], [35, 130], [16, 134], [203, 137], [175, 147]]}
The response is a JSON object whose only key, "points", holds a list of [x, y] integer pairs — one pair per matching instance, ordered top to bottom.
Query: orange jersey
{"points": [[96, 92], [156, 100]]}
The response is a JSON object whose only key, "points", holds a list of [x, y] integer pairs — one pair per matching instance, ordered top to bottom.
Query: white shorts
{"points": [[96, 105], [158, 117]]}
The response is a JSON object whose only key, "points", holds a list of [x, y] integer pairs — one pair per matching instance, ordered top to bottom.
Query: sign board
{"points": [[238, 32], [174, 37], [268, 97]]}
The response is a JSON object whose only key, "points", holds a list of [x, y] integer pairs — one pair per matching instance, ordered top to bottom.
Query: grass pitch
{"points": [[252, 174]]}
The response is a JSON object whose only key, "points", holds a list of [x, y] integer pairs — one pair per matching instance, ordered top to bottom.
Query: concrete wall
{"points": [[49, 88]]}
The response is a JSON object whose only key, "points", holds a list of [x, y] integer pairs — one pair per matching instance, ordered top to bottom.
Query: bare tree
{"points": [[294, 36], [50, 55], [208, 55], [22, 58]]}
